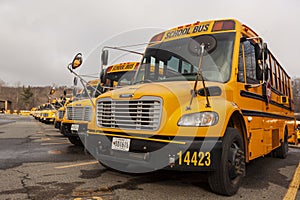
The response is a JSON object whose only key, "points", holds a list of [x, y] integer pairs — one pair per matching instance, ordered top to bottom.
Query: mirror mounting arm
{"points": [[122, 49], [199, 74], [83, 82], [247, 86], [90, 98]]}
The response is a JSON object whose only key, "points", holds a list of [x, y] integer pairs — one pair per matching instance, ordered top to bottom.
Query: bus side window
{"points": [[251, 63], [241, 65]]}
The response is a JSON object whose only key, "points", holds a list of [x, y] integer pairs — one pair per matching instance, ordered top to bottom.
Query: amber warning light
{"points": [[224, 25], [157, 38]]}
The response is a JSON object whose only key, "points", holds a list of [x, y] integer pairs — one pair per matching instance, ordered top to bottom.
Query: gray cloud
{"points": [[38, 39]]}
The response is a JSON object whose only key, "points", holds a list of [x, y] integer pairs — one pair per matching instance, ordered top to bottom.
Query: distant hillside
{"points": [[24, 98]]}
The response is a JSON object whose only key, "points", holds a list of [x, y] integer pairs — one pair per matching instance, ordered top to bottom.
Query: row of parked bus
{"points": [[207, 96], [46, 112], [71, 114]]}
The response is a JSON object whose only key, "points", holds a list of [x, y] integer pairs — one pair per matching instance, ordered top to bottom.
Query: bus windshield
{"points": [[178, 60], [121, 78], [90, 89]]}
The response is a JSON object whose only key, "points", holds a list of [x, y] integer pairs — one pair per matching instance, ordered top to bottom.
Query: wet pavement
{"points": [[37, 162]]}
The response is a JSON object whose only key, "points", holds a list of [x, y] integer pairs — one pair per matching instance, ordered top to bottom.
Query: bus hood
{"points": [[168, 91], [175, 100]]}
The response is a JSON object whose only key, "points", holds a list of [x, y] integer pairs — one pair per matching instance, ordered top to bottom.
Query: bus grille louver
{"points": [[79, 113], [143, 114]]}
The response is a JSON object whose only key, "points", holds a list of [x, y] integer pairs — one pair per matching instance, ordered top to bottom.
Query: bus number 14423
{"points": [[199, 159]]}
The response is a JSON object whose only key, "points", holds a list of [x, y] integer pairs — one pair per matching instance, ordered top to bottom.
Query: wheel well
{"points": [[237, 121]]}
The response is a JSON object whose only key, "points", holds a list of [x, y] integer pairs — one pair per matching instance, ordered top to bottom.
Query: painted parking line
{"points": [[54, 143], [76, 165], [294, 185], [90, 198]]}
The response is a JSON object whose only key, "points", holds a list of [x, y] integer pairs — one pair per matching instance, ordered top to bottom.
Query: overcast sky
{"points": [[39, 38]]}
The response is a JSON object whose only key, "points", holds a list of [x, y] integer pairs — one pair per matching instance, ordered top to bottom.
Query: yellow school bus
{"points": [[216, 99], [32, 111], [25, 112], [46, 113], [60, 113], [72, 113], [78, 113], [298, 131]]}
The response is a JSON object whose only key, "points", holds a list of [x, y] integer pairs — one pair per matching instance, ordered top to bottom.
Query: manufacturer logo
{"points": [[126, 95]]}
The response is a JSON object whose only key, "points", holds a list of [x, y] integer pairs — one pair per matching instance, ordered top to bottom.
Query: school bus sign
{"points": [[194, 29], [124, 67]]}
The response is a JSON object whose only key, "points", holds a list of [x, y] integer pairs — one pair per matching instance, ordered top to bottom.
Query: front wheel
{"points": [[75, 140], [226, 180]]}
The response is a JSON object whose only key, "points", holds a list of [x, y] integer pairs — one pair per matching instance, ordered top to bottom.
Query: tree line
{"points": [[27, 97]]}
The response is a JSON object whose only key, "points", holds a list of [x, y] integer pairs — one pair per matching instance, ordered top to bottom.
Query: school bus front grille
{"points": [[78, 113], [61, 114], [142, 114]]}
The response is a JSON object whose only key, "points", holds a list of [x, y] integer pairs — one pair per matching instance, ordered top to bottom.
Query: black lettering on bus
{"points": [[205, 27], [200, 28], [177, 33], [168, 35]]}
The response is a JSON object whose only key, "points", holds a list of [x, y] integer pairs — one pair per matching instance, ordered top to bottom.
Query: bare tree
{"points": [[2, 83], [296, 94]]}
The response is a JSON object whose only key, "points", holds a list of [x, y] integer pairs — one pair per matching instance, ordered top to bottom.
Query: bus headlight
{"points": [[199, 119]]}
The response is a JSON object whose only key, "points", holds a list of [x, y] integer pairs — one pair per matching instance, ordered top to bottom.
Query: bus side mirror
{"points": [[265, 51], [261, 52], [104, 57], [77, 61], [260, 72], [266, 72], [102, 76], [75, 80], [52, 90], [74, 92]]}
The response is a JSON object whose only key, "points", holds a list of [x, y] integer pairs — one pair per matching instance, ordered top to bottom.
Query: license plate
{"points": [[74, 127], [121, 144]]}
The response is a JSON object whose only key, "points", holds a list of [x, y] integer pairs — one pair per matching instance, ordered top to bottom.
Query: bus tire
{"points": [[63, 130], [75, 140], [282, 150], [226, 180]]}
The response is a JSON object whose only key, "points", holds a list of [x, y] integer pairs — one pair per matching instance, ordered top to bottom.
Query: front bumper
{"points": [[47, 120], [57, 124], [67, 131], [186, 154]]}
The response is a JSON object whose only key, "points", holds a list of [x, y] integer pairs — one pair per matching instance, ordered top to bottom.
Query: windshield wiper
{"points": [[199, 74]]}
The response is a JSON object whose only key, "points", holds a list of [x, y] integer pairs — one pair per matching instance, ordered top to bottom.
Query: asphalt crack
{"points": [[23, 179]]}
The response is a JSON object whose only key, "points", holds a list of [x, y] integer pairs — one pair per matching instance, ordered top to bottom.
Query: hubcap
{"points": [[236, 161]]}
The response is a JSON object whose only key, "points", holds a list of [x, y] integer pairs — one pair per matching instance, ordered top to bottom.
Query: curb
{"points": [[294, 146], [294, 185]]}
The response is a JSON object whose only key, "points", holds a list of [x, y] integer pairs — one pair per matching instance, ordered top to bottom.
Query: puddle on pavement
{"points": [[90, 174]]}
